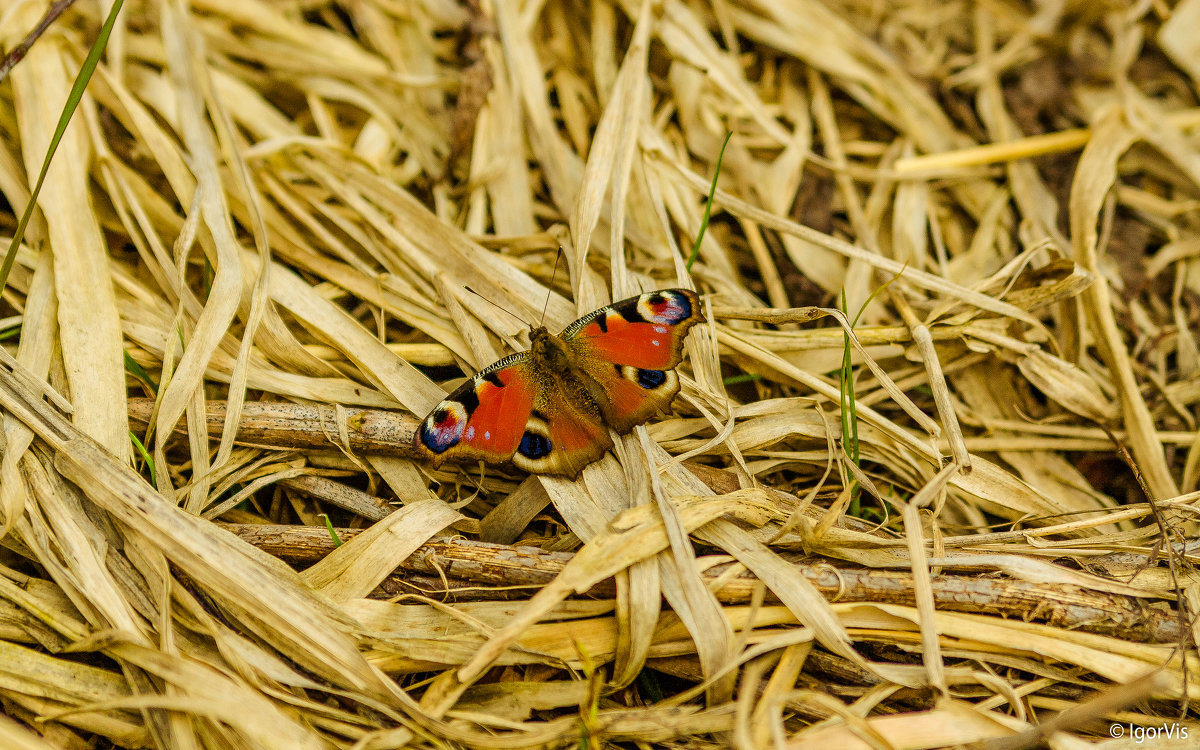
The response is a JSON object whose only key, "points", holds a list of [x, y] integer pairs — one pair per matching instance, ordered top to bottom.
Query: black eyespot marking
{"points": [[633, 315], [602, 321], [494, 379], [651, 379], [468, 399], [538, 415], [534, 445]]}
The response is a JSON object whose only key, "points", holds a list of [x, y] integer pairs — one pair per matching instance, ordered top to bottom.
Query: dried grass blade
{"points": [[1096, 174], [354, 569]]}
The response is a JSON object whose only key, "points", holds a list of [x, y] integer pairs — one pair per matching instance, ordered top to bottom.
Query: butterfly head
{"points": [[548, 349]]}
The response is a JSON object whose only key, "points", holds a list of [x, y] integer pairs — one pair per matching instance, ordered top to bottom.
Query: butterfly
{"points": [[548, 410]]}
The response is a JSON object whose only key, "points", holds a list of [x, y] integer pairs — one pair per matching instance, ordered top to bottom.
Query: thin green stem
{"points": [[712, 191]]}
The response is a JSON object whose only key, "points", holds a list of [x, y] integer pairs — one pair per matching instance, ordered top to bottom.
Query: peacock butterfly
{"points": [[547, 410]]}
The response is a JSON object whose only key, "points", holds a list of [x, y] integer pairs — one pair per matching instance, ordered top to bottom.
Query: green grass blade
{"points": [[72, 103], [712, 191], [139, 372], [739, 379], [849, 403], [849, 415], [141, 449], [337, 540]]}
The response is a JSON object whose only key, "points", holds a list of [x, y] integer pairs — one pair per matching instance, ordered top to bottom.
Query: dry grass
{"points": [[275, 209]]}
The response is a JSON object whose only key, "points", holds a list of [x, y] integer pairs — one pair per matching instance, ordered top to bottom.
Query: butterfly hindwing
{"points": [[631, 348], [562, 440]]}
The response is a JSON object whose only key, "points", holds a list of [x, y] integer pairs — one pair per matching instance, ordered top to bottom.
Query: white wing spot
{"points": [[660, 329], [656, 342], [470, 434], [487, 434]]}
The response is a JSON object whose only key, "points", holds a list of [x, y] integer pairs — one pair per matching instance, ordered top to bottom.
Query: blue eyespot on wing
{"points": [[651, 379], [534, 446]]}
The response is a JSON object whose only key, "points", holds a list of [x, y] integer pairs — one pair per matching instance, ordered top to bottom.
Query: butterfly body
{"points": [[548, 410]]}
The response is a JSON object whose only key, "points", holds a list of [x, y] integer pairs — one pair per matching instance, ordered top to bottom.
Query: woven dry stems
{"points": [[271, 202]]}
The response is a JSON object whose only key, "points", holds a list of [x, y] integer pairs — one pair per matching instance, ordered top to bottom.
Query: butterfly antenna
{"points": [[550, 286], [504, 310]]}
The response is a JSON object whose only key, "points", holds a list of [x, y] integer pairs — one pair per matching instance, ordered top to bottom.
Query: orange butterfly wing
{"points": [[631, 349], [484, 418]]}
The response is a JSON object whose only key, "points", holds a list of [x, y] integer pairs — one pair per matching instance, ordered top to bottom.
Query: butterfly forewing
{"points": [[646, 331], [631, 348], [483, 418]]}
